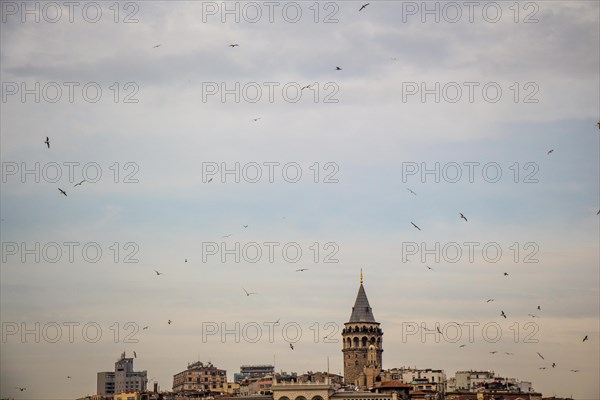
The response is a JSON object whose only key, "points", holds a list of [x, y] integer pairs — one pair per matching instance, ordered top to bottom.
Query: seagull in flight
{"points": [[363, 7], [158, 45], [234, 45], [338, 69], [306, 87], [255, 119], [47, 142], [550, 151], [210, 180], [79, 184], [62, 191], [411, 191], [463, 217], [413, 224], [245, 226], [186, 260], [428, 267], [301, 269], [159, 273], [506, 274], [249, 293], [489, 300], [539, 307], [502, 314], [533, 316], [169, 322], [144, 328], [585, 338], [462, 345], [291, 346], [493, 352], [509, 354], [134, 355], [541, 356], [553, 365], [542, 367], [574, 370], [68, 377], [21, 388]]}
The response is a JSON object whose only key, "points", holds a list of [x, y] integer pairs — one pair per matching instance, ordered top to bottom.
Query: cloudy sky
{"points": [[147, 101]]}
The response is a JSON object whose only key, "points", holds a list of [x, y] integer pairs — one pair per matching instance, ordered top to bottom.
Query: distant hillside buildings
{"points": [[363, 378]]}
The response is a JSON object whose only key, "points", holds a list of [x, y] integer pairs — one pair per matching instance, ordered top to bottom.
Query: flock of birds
{"points": [[248, 294], [502, 313]]}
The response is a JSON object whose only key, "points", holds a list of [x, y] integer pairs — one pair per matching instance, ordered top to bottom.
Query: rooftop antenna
{"points": [[361, 276]]}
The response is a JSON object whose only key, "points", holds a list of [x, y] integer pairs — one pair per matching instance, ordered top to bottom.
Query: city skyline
{"points": [[371, 168]]}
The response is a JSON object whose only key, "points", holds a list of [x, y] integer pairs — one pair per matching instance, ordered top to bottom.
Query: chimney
{"points": [[155, 387]]}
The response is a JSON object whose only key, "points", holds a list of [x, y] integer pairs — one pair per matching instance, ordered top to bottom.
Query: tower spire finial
{"points": [[361, 277]]}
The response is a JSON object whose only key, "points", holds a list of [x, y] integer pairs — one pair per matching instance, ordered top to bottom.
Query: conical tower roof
{"points": [[362, 311]]}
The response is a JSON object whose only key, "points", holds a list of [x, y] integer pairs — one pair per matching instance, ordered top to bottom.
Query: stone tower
{"points": [[359, 334]]}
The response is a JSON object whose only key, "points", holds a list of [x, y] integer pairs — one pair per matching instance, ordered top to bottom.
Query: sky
{"points": [[228, 168]]}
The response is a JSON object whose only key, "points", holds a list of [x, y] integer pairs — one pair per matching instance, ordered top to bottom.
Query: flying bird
{"points": [[363, 6], [158, 45], [233, 45], [338, 69], [306, 87], [255, 119], [47, 142], [550, 151], [210, 180], [79, 184], [62, 191], [411, 191], [463, 217], [413, 224], [245, 226], [226, 236], [186, 260], [429, 267], [301, 269], [159, 273], [506, 274], [248, 293], [488, 300], [539, 307], [502, 314], [533, 316], [169, 322], [144, 328], [585, 338], [462, 345], [291, 346], [493, 352], [509, 354], [134, 355], [541, 356], [553, 365], [542, 367], [574, 370], [68, 377], [21, 388]]}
